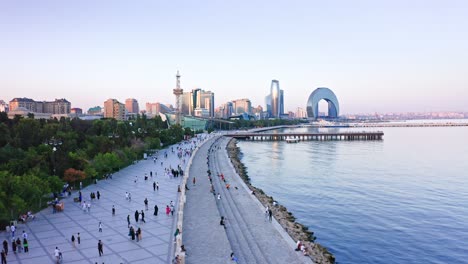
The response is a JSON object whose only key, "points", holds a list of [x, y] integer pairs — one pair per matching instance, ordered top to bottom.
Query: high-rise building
{"points": [[275, 98], [198, 99], [274, 102], [281, 102], [27, 103], [131, 105], [3, 106], [242, 106], [58, 107], [114, 109], [154, 109], [97, 110], [77, 111], [301, 113]]}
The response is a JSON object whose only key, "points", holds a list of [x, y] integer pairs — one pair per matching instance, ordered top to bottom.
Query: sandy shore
{"points": [[297, 231]]}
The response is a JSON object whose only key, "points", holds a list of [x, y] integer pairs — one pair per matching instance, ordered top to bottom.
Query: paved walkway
{"points": [[49, 230], [248, 233], [203, 238]]}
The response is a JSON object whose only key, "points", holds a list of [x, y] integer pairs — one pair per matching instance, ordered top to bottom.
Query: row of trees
{"points": [[30, 169]]}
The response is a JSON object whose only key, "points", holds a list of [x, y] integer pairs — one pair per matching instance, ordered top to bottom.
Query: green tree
{"points": [[4, 134]]}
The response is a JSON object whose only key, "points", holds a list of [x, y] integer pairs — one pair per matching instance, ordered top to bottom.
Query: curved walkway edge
{"points": [[248, 233]]}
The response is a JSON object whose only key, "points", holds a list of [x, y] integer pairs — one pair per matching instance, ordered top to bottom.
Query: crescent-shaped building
{"points": [[316, 96]]}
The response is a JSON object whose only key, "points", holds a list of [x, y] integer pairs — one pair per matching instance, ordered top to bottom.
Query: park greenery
{"points": [[39, 156], [30, 169]]}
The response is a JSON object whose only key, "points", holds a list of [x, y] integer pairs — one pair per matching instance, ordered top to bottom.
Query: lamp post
{"points": [[54, 143]]}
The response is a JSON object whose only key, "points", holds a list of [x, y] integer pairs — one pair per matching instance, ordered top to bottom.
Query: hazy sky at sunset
{"points": [[384, 56]]}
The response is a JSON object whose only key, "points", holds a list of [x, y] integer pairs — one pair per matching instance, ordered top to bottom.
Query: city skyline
{"points": [[377, 57]]}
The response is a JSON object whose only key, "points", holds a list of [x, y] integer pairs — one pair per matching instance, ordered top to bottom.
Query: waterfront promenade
{"points": [[50, 230], [248, 233]]}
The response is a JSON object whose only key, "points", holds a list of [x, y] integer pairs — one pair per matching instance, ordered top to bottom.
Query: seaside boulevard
{"points": [[248, 234]]}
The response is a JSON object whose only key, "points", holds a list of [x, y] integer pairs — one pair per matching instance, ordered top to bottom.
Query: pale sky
{"points": [[377, 56]]}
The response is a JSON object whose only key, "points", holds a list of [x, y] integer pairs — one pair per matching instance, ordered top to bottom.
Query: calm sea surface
{"points": [[400, 200]]}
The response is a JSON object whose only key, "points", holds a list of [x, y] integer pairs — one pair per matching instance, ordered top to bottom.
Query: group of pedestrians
{"points": [[182, 150], [18, 244]]}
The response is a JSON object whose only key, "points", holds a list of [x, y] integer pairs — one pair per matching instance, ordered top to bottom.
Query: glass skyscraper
{"points": [[274, 102]]}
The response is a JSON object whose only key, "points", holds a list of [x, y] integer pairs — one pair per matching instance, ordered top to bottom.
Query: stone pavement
{"points": [[49, 230], [248, 233], [203, 238]]}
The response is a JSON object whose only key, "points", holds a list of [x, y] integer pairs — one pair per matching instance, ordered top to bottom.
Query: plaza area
{"points": [[50, 230]]}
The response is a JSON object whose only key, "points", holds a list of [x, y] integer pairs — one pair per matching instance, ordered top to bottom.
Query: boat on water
{"points": [[292, 140]]}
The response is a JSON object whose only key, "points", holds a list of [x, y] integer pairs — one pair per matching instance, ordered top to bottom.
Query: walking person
{"points": [[193, 181], [154, 186], [157, 186], [98, 195], [146, 204], [89, 206], [156, 209], [113, 210], [168, 210], [266, 213], [137, 215], [270, 215], [143, 216], [128, 221], [100, 227], [13, 229], [132, 233], [176, 233], [139, 234], [78, 238], [73, 240], [18, 245], [25, 245], [5, 246], [13, 246], [100, 248], [57, 254], [4, 261]]}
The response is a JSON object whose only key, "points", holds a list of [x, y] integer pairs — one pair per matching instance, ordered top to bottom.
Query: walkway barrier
{"points": [[180, 211]]}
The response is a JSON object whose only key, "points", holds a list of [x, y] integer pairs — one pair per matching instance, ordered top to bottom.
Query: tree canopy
{"points": [[38, 156]]}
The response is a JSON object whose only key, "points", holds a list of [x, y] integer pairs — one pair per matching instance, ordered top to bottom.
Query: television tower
{"points": [[178, 92]]}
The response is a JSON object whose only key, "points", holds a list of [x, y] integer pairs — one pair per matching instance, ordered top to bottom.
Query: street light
{"points": [[54, 143]]}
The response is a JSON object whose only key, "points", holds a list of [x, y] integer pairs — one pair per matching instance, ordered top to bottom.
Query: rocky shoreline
{"points": [[297, 231]]}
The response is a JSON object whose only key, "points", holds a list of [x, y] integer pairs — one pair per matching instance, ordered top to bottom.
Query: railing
{"points": [[180, 210]]}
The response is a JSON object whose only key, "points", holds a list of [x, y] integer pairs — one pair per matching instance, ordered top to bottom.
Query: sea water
{"points": [[400, 200]]}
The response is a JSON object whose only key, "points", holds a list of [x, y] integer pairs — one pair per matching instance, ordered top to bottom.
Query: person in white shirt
{"points": [[13, 229], [57, 254]]}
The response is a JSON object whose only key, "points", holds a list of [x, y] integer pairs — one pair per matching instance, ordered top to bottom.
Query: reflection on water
{"points": [[400, 200]]}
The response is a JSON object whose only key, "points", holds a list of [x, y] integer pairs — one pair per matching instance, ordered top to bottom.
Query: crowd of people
{"points": [[181, 151]]}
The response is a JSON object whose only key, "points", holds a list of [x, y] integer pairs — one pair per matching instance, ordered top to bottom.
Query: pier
{"points": [[348, 136]]}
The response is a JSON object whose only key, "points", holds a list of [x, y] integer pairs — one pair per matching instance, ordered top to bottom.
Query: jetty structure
{"points": [[255, 136]]}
